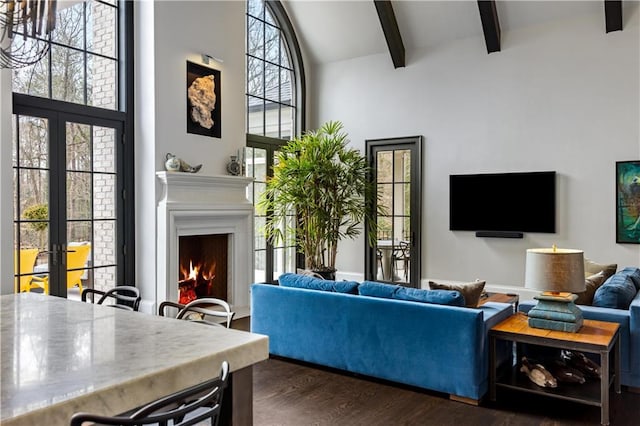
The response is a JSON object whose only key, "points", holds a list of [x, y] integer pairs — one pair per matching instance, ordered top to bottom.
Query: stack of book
{"points": [[552, 315]]}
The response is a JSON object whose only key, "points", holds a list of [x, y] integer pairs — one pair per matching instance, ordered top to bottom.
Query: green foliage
{"points": [[326, 184], [37, 212]]}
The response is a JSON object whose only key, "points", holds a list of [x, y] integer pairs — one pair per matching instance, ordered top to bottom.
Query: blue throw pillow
{"points": [[634, 273], [312, 283], [350, 287], [376, 289], [617, 292], [439, 297]]}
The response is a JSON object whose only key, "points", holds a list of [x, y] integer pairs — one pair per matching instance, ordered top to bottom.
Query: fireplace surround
{"points": [[195, 204]]}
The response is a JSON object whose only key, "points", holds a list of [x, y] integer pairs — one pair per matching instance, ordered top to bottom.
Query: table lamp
{"points": [[558, 273]]}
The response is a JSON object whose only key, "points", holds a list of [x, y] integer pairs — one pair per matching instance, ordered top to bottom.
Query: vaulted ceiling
{"points": [[338, 30]]}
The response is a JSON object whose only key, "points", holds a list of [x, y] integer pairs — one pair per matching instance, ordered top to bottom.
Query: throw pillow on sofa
{"points": [[591, 267], [634, 274], [312, 283], [591, 283], [376, 289], [390, 291], [471, 291], [617, 292], [438, 297]]}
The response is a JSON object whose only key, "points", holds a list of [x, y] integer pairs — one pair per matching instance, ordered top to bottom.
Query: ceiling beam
{"points": [[613, 15], [490, 24], [391, 32]]}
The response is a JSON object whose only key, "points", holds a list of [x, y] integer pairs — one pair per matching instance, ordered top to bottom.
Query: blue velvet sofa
{"points": [[629, 320], [432, 346]]}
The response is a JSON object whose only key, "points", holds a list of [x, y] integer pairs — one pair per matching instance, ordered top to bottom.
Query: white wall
{"points": [[168, 33], [562, 97], [6, 185]]}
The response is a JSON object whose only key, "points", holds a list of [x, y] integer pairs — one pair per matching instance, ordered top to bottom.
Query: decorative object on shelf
{"points": [[26, 26], [203, 100], [172, 163], [175, 164], [233, 166], [325, 182], [628, 202], [558, 273], [579, 361], [538, 374], [566, 374]]}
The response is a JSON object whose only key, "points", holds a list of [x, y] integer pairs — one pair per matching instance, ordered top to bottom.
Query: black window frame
{"points": [[123, 117], [271, 144], [414, 145]]}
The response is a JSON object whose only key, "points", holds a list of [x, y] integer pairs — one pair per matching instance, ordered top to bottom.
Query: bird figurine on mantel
{"points": [[175, 164]]}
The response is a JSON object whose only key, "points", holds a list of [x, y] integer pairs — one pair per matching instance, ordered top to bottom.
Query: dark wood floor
{"points": [[292, 393]]}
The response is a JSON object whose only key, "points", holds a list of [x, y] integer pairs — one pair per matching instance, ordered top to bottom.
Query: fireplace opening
{"points": [[202, 267]]}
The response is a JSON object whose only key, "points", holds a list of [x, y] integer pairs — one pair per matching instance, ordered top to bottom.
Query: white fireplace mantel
{"points": [[193, 188], [196, 204]]}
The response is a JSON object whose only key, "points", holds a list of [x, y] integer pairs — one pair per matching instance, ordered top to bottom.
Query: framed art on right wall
{"points": [[628, 202]]}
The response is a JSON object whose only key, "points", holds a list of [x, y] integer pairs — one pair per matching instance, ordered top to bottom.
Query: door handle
{"points": [[54, 251]]}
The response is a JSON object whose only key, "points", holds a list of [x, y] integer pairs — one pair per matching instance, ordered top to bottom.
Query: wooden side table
{"points": [[511, 298], [596, 337]]}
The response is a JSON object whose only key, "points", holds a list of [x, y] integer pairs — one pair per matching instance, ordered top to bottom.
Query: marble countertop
{"points": [[59, 357]]}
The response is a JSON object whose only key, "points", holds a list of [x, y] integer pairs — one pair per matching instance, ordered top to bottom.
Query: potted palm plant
{"points": [[317, 194]]}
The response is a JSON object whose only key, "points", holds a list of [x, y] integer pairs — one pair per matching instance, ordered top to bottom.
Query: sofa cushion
{"points": [[591, 267], [634, 273], [312, 283], [591, 283], [376, 289], [390, 291], [471, 291], [617, 292], [438, 297]]}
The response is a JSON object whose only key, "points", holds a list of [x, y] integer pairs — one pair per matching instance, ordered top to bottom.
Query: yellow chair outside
{"points": [[76, 258], [27, 262]]}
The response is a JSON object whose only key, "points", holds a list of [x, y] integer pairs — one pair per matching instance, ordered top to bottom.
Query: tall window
{"points": [[82, 64], [275, 114], [73, 154]]}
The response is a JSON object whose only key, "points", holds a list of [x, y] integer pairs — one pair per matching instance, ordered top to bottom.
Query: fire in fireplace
{"points": [[202, 267]]}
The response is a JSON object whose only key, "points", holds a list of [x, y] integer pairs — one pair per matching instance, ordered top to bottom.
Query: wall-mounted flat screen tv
{"points": [[512, 202]]}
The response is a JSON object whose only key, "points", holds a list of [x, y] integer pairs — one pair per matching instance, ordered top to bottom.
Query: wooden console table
{"points": [[596, 337]]}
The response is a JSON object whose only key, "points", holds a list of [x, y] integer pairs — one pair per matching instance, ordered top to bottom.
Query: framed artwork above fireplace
{"points": [[203, 100]]}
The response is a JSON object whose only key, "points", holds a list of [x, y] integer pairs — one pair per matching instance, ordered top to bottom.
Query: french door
{"points": [[397, 174], [68, 201], [271, 261]]}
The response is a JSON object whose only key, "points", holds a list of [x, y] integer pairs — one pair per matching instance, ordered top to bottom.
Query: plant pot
{"points": [[327, 274]]}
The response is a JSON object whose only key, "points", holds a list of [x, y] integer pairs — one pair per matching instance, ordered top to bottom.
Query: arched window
{"points": [[275, 77], [275, 114]]}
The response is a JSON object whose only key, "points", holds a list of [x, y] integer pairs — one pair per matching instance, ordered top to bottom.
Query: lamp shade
{"points": [[555, 270]]}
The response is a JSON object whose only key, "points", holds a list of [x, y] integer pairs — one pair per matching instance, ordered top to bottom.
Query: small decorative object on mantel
{"points": [[175, 164], [233, 167]]}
